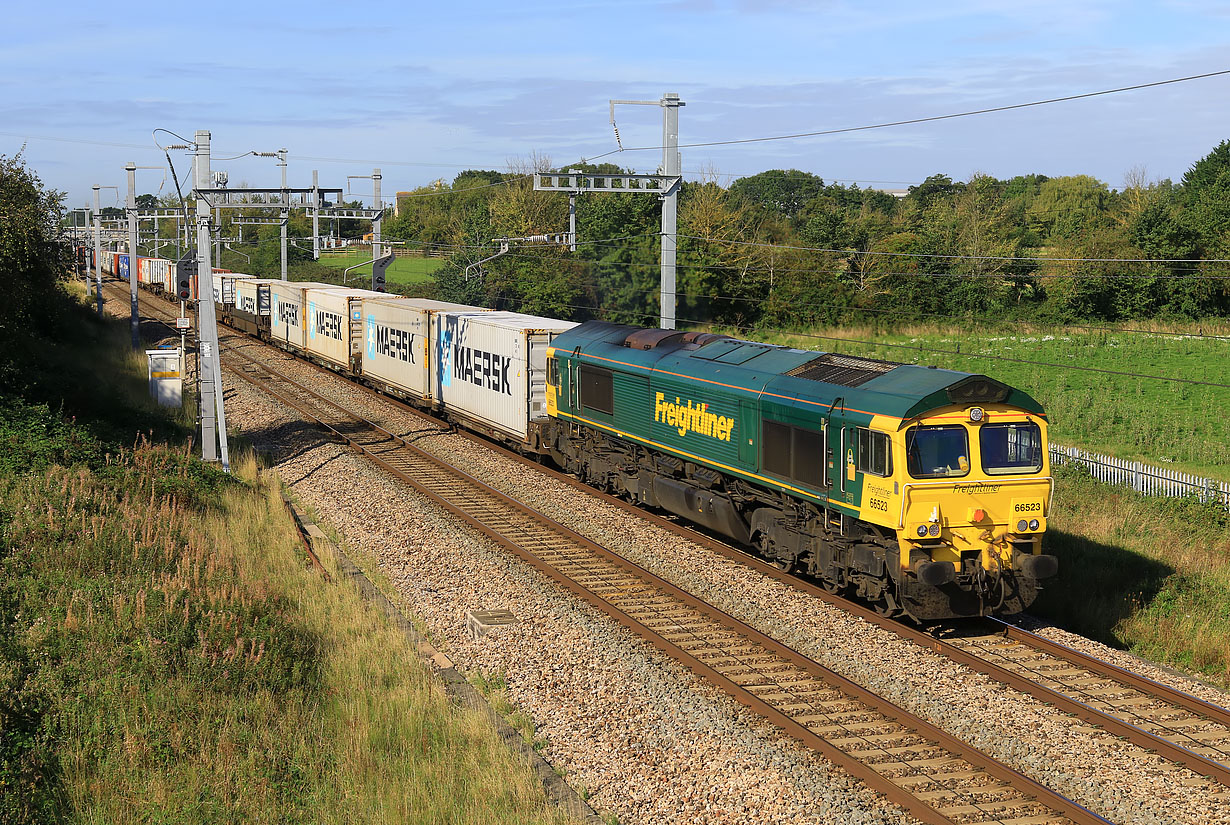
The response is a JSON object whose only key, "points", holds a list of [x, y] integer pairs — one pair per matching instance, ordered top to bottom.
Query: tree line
{"points": [[785, 249]]}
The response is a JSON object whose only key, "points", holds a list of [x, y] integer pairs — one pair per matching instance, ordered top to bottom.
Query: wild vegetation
{"points": [[783, 249], [1148, 574], [165, 653]]}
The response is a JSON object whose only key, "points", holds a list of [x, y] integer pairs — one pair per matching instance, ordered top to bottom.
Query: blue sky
{"points": [[426, 90]]}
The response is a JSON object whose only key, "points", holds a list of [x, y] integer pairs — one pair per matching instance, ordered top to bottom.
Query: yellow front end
{"points": [[974, 494]]}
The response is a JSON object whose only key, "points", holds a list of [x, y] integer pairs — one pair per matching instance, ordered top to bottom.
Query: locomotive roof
{"points": [[813, 378]]}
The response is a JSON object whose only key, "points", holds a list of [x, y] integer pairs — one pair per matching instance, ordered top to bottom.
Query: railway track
{"points": [[912, 763], [933, 775]]}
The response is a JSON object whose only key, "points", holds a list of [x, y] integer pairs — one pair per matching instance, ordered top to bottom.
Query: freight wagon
{"points": [[224, 286], [253, 303], [288, 312], [335, 326], [490, 372]]}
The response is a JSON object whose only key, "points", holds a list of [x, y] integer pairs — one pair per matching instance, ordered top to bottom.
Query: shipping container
{"points": [[121, 269], [154, 272], [224, 286], [253, 297], [288, 313], [335, 324], [396, 355], [490, 369]]}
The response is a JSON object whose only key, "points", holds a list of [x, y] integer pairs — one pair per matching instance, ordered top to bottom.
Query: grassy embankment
{"points": [[1164, 423], [1148, 574], [166, 655]]}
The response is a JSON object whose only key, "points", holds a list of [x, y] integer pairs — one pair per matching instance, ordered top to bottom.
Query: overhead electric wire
{"points": [[933, 118]]}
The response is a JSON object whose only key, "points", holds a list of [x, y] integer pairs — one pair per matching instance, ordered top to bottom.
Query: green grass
{"points": [[405, 269], [1162, 422], [1148, 574], [166, 654]]}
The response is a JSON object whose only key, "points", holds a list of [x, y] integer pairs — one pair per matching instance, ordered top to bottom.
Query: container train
{"points": [[922, 491]]}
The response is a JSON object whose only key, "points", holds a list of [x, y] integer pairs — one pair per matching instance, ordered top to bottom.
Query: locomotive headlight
{"points": [[975, 414], [1033, 524], [1022, 525], [935, 530], [922, 531]]}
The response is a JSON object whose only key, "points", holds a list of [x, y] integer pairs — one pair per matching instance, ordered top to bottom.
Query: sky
{"points": [[425, 90]]}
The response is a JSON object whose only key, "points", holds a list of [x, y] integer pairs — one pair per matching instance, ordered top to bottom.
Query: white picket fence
{"points": [[1144, 478]]}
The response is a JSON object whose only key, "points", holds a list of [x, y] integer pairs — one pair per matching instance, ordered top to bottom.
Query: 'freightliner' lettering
{"points": [[692, 418]]}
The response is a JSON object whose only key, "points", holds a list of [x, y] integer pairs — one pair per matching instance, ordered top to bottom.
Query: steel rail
{"points": [[1033, 791]]}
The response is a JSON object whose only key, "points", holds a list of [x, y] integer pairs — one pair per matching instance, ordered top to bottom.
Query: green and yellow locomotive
{"points": [[923, 491]]}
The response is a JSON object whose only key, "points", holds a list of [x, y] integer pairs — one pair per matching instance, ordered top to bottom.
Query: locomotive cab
{"points": [[975, 492]]}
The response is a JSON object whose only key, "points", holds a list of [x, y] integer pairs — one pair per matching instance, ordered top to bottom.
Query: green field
{"points": [[404, 269], [1162, 422]]}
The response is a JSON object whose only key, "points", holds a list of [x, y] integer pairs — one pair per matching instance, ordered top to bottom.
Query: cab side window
{"points": [[874, 456]]}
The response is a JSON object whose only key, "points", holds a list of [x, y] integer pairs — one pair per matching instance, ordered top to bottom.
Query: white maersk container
{"points": [[224, 286], [252, 296], [289, 310], [335, 323], [396, 355], [491, 368]]}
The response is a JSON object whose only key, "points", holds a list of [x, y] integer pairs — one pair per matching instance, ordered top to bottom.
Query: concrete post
{"points": [[672, 166], [377, 204], [285, 209], [315, 215], [98, 252], [134, 320], [213, 412]]}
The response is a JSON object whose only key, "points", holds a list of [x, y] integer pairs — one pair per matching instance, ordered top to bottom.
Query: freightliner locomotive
{"points": [[922, 491]]}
